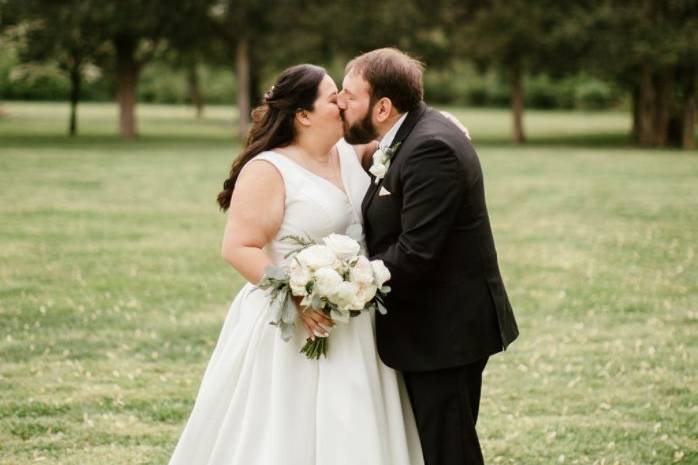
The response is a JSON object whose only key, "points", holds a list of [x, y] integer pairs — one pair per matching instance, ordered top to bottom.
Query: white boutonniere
{"points": [[381, 161]]}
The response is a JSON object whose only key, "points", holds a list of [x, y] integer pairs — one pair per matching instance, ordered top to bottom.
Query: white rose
{"points": [[379, 156], [378, 170], [343, 247], [316, 257], [362, 272], [380, 272], [299, 277], [327, 282], [365, 294], [344, 295], [357, 303]]}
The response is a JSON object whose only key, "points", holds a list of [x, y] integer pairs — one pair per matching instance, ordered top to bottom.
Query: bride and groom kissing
{"points": [[396, 389]]}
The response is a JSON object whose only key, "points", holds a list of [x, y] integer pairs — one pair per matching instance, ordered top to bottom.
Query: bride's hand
{"points": [[455, 121], [316, 323]]}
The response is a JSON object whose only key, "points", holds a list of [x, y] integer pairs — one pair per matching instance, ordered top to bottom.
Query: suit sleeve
{"points": [[433, 186]]}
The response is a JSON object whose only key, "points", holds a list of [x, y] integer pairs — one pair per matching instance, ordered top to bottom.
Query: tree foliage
{"points": [[647, 47], [650, 48]]}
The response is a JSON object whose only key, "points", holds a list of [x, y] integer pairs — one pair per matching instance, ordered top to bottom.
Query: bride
{"points": [[261, 402]]}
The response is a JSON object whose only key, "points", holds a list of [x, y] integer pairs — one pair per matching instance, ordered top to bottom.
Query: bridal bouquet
{"points": [[332, 277]]}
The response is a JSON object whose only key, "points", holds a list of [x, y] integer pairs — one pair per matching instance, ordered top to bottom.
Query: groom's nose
{"points": [[341, 101]]}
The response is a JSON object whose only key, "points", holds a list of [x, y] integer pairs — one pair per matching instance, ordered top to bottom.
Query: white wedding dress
{"points": [[261, 402]]}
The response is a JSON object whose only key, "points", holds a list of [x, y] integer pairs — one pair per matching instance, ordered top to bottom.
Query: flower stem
{"points": [[314, 349]]}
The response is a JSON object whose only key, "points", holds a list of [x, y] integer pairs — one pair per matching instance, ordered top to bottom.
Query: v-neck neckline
{"points": [[342, 190]]}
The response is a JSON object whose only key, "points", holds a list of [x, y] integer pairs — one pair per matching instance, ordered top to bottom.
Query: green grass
{"points": [[112, 291]]}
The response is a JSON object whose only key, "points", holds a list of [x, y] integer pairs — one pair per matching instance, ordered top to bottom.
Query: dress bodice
{"points": [[314, 206]]}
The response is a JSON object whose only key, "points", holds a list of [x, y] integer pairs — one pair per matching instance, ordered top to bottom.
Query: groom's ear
{"points": [[383, 109]]}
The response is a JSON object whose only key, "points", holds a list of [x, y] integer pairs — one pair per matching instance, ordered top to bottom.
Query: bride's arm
{"points": [[364, 152], [259, 188], [254, 218]]}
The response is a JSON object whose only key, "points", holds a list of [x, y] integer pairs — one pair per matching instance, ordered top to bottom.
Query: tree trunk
{"points": [[128, 70], [243, 77], [75, 82], [255, 84], [663, 88], [195, 89], [647, 101], [517, 106], [688, 111], [635, 130], [688, 139]]}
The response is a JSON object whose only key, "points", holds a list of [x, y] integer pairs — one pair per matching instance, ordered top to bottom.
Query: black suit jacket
{"points": [[448, 306]]}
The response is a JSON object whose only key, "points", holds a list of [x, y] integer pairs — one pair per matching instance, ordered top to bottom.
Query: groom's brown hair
{"points": [[393, 74]]}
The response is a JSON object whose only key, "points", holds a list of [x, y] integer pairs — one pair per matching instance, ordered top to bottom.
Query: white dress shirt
{"points": [[389, 136]]}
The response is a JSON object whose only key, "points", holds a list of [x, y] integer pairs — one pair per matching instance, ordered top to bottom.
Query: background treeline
{"points": [[640, 55], [461, 84]]}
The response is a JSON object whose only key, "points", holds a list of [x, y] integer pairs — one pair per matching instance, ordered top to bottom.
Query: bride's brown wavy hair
{"points": [[295, 89]]}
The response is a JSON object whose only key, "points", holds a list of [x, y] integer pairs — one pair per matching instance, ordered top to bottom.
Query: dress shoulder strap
{"points": [[348, 154], [278, 162], [285, 168]]}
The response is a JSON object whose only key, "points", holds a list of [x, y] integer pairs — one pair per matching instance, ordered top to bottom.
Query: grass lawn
{"points": [[112, 290]]}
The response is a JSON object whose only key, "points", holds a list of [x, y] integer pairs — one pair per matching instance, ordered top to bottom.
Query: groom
{"points": [[425, 217]]}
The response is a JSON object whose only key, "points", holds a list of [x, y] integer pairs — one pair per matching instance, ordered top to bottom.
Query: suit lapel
{"points": [[402, 133]]}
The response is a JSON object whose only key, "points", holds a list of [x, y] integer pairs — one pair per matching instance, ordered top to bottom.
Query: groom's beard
{"points": [[361, 132]]}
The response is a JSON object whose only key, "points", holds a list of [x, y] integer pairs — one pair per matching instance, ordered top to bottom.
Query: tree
{"points": [[8, 17], [242, 27], [357, 27], [134, 30], [65, 32], [122, 35], [518, 37], [261, 39], [190, 43], [650, 48]]}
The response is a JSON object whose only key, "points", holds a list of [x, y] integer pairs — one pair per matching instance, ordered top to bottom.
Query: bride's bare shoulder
{"points": [[260, 174]]}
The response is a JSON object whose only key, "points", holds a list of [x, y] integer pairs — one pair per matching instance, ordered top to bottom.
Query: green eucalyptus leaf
{"points": [[275, 273], [381, 308]]}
